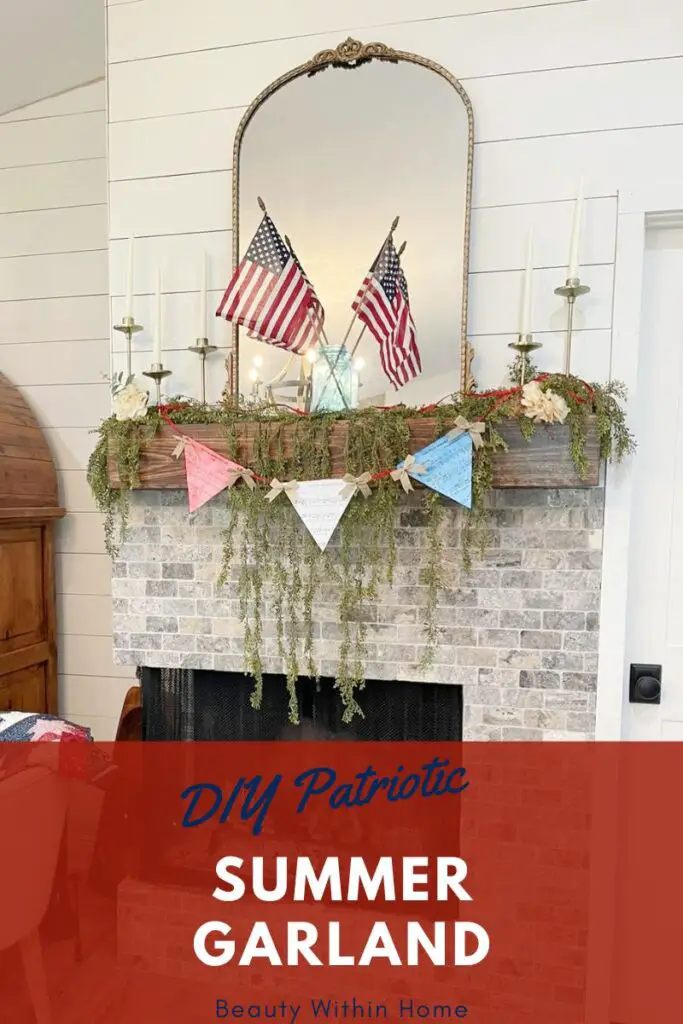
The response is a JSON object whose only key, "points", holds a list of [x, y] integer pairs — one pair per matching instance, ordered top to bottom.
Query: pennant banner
{"points": [[446, 467], [208, 473], [320, 504]]}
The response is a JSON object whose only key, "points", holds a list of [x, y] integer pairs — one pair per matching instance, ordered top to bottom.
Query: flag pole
{"points": [[379, 252], [355, 312], [322, 331], [358, 340]]}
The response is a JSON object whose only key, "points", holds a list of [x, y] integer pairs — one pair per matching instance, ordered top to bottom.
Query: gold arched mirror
{"points": [[336, 150]]}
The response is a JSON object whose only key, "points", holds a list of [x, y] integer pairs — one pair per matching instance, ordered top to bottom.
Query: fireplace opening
{"points": [[185, 704]]}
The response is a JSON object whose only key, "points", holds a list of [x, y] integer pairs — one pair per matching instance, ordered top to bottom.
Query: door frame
{"points": [[659, 204], [637, 210]]}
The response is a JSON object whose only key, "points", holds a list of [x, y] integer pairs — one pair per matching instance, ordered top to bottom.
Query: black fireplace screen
{"points": [[184, 704]]}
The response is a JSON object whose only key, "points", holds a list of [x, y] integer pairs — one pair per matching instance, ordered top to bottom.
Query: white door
{"points": [[654, 633], [643, 973]]}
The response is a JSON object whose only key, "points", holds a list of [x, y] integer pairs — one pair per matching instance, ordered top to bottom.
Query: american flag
{"points": [[271, 296], [382, 304]]}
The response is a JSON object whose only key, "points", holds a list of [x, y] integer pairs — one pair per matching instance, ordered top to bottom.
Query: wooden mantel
{"points": [[541, 462]]}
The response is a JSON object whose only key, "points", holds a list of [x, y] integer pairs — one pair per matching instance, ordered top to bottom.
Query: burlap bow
{"points": [[463, 426], [180, 447], [245, 474], [401, 474], [356, 483], [278, 486]]}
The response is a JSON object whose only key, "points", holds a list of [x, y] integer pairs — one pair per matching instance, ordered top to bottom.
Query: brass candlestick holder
{"points": [[570, 291], [129, 328], [523, 346], [202, 349], [157, 373]]}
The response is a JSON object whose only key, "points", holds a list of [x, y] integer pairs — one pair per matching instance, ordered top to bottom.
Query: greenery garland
{"points": [[269, 555]]}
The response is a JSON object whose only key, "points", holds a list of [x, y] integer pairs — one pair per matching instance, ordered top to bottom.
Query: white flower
{"points": [[130, 402], [543, 406]]}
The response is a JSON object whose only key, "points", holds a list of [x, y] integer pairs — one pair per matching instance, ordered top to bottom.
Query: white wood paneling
{"points": [[154, 27], [551, 35], [77, 101], [516, 106], [507, 107], [52, 140], [182, 144], [547, 169], [49, 186], [170, 206], [74, 229], [499, 234], [178, 256], [54, 276], [494, 301], [63, 319], [590, 356], [56, 362], [185, 378], [70, 405], [71, 446], [74, 491], [80, 533], [79, 573], [84, 615], [90, 656], [92, 696]]}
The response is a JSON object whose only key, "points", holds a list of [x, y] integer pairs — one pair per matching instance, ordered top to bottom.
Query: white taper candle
{"points": [[575, 244], [129, 277], [527, 290], [202, 300], [158, 325]]}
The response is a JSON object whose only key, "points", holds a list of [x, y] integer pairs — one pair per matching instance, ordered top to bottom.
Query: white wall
{"points": [[47, 47], [559, 89], [54, 331]]}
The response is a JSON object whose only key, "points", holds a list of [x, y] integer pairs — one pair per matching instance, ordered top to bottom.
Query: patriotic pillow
{"points": [[23, 727]]}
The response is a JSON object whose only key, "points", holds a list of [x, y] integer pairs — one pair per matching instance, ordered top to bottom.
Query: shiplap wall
{"points": [[559, 89], [54, 331]]}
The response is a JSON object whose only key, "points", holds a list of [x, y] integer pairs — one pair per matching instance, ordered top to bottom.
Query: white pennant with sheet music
{"points": [[321, 505]]}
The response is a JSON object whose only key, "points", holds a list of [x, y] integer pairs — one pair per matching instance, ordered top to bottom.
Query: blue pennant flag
{"points": [[447, 468]]}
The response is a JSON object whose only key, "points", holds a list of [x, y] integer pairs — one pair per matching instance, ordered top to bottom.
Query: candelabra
{"points": [[570, 291], [129, 328], [523, 346], [202, 348], [157, 373]]}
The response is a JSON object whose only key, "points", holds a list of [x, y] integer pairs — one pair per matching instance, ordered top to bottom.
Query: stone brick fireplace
{"points": [[519, 634]]}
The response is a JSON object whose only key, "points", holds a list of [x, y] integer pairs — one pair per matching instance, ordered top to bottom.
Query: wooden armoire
{"points": [[29, 508]]}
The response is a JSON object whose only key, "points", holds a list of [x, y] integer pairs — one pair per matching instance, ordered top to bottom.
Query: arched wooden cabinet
{"points": [[29, 507]]}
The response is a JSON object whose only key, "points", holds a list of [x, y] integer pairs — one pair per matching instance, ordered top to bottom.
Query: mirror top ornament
{"points": [[364, 180]]}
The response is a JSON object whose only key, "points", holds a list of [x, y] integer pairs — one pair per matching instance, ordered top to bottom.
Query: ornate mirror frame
{"points": [[349, 54]]}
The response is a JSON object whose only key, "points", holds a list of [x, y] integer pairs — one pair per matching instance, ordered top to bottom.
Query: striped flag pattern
{"points": [[270, 295], [383, 305]]}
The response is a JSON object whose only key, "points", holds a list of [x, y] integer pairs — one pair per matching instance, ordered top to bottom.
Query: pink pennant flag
{"points": [[208, 473]]}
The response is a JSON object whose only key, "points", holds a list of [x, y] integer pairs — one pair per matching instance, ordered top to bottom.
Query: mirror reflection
{"points": [[349, 289]]}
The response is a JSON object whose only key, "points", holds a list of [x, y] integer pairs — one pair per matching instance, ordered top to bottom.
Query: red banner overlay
{"points": [[301, 882]]}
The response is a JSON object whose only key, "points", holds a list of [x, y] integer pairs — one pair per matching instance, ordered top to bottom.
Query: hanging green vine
{"points": [[268, 555]]}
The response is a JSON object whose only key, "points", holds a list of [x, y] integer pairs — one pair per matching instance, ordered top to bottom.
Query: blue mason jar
{"points": [[326, 394]]}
